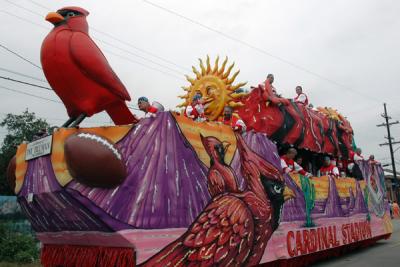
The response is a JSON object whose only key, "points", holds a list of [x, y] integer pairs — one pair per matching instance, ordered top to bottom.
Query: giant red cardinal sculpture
{"points": [[78, 71], [234, 228]]}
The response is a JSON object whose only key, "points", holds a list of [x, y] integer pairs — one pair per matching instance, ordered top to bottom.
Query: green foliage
{"points": [[20, 128], [309, 195], [17, 247]]}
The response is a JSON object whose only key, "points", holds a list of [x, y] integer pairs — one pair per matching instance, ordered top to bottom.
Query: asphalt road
{"points": [[385, 253]]}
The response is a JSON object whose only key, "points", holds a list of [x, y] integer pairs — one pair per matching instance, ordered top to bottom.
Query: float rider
{"points": [[270, 80], [269, 93], [301, 97], [144, 105], [195, 110], [229, 119], [290, 166], [329, 168]]}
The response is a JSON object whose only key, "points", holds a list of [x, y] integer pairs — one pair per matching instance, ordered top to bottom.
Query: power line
{"points": [[39, 5], [22, 7], [23, 19], [210, 29], [108, 35], [139, 49], [260, 50], [120, 56], [139, 56], [21, 57], [144, 65], [22, 74], [31, 84], [38, 86], [32, 95], [44, 98], [132, 107]]}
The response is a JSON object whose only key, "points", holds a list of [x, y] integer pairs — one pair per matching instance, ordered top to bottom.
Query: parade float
{"points": [[170, 191]]}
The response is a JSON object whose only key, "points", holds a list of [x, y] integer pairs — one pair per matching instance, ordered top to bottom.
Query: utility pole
{"points": [[390, 143]]}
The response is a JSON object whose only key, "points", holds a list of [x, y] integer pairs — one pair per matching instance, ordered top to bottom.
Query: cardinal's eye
{"points": [[70, 14], [278, 189]]}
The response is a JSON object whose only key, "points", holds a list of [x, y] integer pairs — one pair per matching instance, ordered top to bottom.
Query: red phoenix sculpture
{"points": [[78, 71], [287, 122], [220, 178], [234, 228]]}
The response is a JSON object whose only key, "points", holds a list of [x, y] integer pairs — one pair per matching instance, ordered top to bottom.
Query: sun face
{"points": [[215, 86]]}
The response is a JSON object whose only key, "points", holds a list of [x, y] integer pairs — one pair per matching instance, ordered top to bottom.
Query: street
{"points": [[385, 253]]}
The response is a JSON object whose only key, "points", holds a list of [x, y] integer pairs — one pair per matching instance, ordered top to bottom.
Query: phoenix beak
{"points": [[54, 17], [226, 145], [288, 193]]}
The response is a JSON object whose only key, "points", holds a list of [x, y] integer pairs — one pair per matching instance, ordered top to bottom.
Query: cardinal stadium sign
{"points": [[311, 240]]}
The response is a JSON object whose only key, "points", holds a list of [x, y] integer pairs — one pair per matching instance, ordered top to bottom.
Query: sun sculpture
{"points": [[216, 86], [330, 113]]}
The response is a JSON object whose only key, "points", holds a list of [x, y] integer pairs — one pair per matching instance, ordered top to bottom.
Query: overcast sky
{"points": [[353, 45]]}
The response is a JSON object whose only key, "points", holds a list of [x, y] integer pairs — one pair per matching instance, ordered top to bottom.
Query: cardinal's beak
{"points": [[54, 17], [288, 193]]}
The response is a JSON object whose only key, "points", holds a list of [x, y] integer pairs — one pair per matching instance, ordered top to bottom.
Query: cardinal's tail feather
{"points": [[120, 114], [175, 254]]}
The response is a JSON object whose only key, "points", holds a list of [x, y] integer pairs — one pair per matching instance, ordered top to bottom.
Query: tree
{"points": [[20, 128], [17, 247]]}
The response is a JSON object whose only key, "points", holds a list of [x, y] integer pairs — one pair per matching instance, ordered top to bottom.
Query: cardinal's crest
{"points": [[215, 86]]}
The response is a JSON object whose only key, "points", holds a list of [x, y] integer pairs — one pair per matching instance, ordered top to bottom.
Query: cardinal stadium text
{"points": [[311, 240]]}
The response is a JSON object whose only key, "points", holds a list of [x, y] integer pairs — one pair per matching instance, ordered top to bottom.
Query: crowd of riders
{"points": [[305, 163]]}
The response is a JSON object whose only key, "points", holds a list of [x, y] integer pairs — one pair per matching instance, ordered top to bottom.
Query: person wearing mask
{"points": [[270, 80], [301, 97], [144, 105], [195, 110], [229, 119], [356, 155], [299, 160], [372, 161], [290, 166], [328, 168], [354, 169], [391, 209], [396, 210]]}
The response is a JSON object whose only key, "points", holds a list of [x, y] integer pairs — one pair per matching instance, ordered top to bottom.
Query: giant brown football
{"points": [[94, 160]]}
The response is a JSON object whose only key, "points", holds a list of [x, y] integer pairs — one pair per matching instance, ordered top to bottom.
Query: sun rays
{"points": [[216, 84]]}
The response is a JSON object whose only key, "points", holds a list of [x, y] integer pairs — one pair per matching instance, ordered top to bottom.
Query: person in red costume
{"points": [[79, 73], [270, 80], [301, 97], [144, 105], [196, 109], [236, 123], [356, 155], [372, 161], [290, 166], [342, 166], [328, 168]]}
